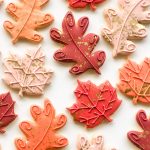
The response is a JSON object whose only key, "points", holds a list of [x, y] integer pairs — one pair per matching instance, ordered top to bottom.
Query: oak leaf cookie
{"points": [[84, 3], [28, 17], [126, 25], [77, 48], [27, 75], [135, 81], [94, 103], [7, 114], [41, 135], [141, 138], [96, 143]]}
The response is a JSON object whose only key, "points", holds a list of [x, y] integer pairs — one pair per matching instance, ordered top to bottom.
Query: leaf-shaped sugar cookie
{"points": [[84, 3], [28, 17], [126, 24], [77, 47], [27, 74], [135, 81], [94, 103], [7, 114], [41, 135], [141, 138], [96, 143]]}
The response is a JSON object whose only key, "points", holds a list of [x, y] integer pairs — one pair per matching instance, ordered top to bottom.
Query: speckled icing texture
{"points": [[126, 24], [77, 47]]}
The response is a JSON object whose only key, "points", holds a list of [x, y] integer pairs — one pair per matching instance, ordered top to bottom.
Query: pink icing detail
{"points": [[28, 74], [95, 144]]}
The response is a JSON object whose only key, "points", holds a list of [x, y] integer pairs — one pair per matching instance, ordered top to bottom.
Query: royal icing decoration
{"points": [[126, 24], [77, 48]]}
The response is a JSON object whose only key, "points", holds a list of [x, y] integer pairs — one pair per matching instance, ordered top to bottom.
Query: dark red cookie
{"points": [[84, 3], [78, 48], [94, 103], [7, 114], [141, 139]]}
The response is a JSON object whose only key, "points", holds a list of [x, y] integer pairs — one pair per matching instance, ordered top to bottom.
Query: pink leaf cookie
{"points": [[126, 24], [28, 74], [95, 144]]}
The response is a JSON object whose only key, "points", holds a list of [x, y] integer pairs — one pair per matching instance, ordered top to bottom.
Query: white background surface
{"points": [[60, 92]]}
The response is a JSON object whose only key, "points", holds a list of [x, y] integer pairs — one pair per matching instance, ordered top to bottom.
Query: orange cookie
{"points": [[28, 17], [135, 81], [41, 135]]}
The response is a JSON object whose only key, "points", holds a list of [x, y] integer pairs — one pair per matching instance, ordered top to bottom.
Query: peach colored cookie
{"points": [[28, 17], [126, 25], [27, 75], [135, 81], [41, 135], [96, 143]]}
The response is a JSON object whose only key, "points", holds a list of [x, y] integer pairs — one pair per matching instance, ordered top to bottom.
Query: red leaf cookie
{"points": [[84, 3], [28, 18], [126, 24], [77, 48], [135, 81], [94, 103], [7, 114], [41, 135], [141, 139]]}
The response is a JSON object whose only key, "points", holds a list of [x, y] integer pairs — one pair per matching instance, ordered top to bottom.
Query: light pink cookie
{"points": [[126, 24], [27, 75], [95, 144]]}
